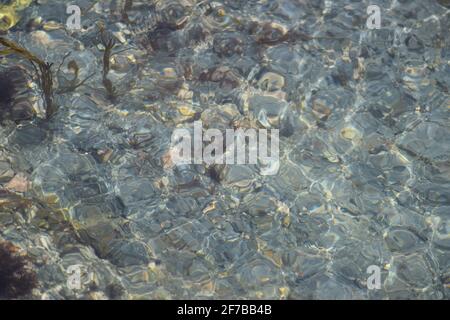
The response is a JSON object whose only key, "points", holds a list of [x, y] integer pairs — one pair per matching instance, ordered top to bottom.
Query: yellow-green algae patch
{"points": [[8, 13]]}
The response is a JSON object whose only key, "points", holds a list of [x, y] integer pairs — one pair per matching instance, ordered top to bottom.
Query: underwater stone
{"points": [[228, 44], [15, 97], [267, 109], [125, 253]]}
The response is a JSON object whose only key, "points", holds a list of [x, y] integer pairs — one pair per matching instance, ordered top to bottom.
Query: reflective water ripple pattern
{"points": [[364, 120]]}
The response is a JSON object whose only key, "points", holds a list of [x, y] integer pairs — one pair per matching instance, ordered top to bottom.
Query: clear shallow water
{"points": [[364, 173]]}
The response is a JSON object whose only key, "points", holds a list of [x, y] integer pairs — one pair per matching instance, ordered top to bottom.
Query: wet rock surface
{"points": [[364, 173]]}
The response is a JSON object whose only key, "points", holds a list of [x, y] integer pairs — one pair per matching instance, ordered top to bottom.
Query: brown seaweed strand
{"points": [[43, 71]]}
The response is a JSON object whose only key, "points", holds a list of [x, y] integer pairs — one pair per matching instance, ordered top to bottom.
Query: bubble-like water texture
{"points": [[364, 175]]}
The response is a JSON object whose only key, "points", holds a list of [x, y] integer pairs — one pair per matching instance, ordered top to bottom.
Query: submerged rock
{"points": [[16, 99]]}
